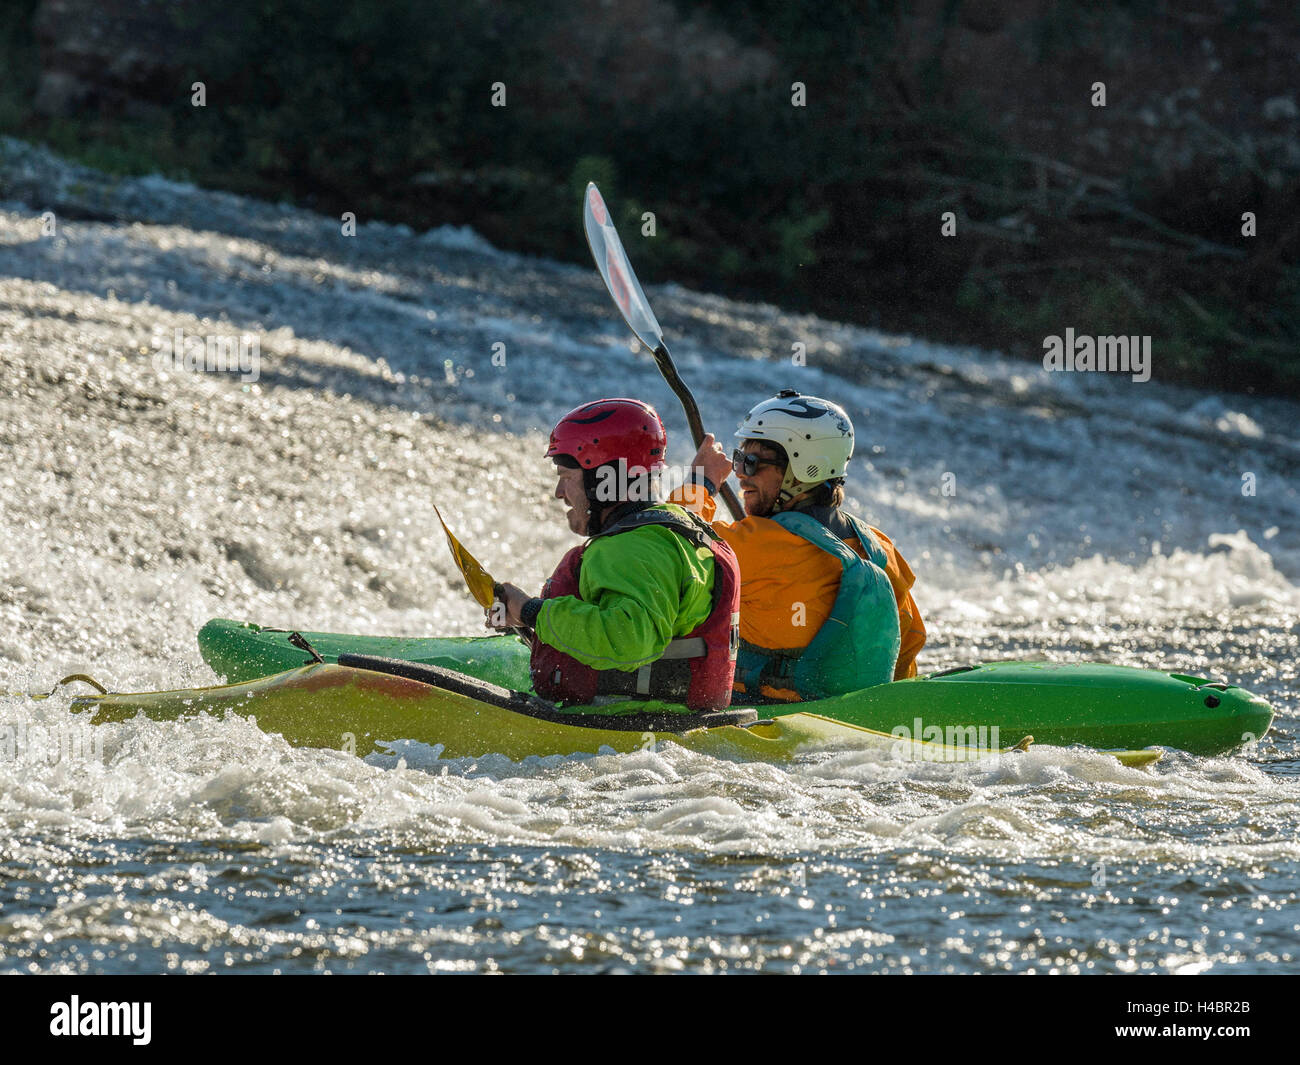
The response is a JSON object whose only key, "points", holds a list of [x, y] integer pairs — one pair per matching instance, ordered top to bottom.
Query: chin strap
{"points": [[791, 488], [594, 506], [594, 511], [601, 512]]}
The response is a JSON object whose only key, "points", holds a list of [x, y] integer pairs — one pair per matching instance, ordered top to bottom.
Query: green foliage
{"points": [[18, 66], [597, 168], [795, 234]]}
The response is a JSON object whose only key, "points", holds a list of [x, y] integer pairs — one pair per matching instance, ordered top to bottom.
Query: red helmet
{"points": [[611, 429]]}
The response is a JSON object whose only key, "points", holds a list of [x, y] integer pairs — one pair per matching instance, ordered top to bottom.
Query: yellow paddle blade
{"points": [[478, 579]]}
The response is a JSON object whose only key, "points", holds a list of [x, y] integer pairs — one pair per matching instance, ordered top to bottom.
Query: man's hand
{"points": [[712, 461], [504, 611]]}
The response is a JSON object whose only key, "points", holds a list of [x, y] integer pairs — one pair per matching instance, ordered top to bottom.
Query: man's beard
{"points": [[762, 508]]}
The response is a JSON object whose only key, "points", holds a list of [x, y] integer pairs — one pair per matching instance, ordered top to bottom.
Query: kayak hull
{"points": [[989, 705], [360, 711]]}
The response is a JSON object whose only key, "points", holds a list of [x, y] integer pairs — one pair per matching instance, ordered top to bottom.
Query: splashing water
{"points": [[1084, 518]]}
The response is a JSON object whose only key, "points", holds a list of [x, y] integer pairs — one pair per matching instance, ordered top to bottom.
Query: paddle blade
{"points": [[611, 261], [478, 579]]}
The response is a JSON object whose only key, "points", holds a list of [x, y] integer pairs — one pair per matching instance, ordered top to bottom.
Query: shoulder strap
{"points": [[682, 522], [811, 528], [870, 542]]}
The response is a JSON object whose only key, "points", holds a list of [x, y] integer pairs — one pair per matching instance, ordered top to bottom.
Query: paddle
{"points": [[611, 261], [477, 579], [480, 582]]}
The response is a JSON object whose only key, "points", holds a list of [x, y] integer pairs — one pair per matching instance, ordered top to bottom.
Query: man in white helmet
{"points": [[825, 602]]}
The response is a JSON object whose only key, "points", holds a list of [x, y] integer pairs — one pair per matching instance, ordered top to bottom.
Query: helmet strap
{"points": [[590, 485], [790, 488], [642, 492]]}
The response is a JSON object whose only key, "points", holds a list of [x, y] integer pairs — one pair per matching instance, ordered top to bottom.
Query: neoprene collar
{"points": [[620, 511], [832, 518]]}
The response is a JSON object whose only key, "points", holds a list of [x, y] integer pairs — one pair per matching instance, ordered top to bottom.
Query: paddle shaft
{"points": [[630, 299], [668, 369]]}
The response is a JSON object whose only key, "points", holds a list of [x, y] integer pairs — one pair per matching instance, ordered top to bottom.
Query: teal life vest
{"points": [[857, 646]]}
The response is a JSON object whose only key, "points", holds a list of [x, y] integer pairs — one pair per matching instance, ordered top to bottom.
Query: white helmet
{"points": [[815, 434]]}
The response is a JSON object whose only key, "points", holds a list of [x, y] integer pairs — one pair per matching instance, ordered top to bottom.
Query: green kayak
{"points": [[363, 703], [1097, 705]]}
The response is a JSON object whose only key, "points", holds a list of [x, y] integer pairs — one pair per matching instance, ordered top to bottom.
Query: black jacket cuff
{"points": [[695, 477], [529, 611]]}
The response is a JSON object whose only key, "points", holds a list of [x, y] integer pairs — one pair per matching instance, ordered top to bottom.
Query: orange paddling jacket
{"points": [[779, 569]]}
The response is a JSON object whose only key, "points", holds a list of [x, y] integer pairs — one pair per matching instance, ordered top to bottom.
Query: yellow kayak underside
{"points": [[326, 705]]}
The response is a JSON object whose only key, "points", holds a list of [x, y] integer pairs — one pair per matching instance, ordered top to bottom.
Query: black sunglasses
{"points": [[746, 464]]}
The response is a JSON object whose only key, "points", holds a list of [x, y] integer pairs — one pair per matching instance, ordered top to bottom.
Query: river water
{"points": [[1071, 516]]}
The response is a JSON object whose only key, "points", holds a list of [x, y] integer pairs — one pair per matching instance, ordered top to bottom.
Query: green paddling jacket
{"points": [[639, 590], [647, 608]]}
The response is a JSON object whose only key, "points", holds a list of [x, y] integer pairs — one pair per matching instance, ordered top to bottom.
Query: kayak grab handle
{"points": [[300, 641], [949, 672], [71, 678], [1198, 683]]}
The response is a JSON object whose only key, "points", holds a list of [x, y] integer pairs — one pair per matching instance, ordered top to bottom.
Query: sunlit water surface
{"points": [[1084, 518]]}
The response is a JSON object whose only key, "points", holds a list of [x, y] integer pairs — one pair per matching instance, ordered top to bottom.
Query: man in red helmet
{"points": [[649, 606]]}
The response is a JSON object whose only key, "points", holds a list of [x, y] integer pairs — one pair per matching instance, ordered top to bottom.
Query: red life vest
{"points": [[696, 669]]}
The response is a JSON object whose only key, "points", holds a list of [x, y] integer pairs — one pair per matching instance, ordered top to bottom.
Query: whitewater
{"points": [[1074, 516]]}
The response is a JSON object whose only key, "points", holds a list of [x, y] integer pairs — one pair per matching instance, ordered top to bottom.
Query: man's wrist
{"points": [[698, 477], [529, 611]]}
